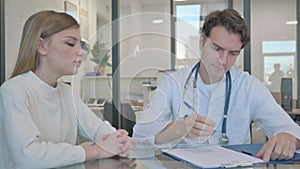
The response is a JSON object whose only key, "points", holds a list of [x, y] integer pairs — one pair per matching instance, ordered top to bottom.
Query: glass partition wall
{"points": [[190, 16], [148, 29], [155, 37], [2, 41], [273, 47]]}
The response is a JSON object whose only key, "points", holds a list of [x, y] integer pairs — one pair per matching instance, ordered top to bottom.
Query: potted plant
{"points": [[101, 57]]}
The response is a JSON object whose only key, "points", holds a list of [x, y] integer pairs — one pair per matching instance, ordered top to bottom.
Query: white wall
{"points": [[268, 20], [268, 23], [145, 47]]}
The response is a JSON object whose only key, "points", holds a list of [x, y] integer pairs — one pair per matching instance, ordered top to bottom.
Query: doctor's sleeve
{"points": [[157, 114], [269, 115]]}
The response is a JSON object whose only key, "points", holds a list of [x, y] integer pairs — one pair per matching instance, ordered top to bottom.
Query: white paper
{"points": [[213, 157]]}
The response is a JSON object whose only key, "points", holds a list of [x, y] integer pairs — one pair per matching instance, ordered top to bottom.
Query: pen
{"points": [[189, 106], [185, 116]]}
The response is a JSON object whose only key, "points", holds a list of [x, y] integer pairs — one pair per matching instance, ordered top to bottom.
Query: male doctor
{"points": [[215, 102]]}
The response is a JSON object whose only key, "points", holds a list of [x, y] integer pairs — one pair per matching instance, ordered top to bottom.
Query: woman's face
{"points": [[61, 53]]}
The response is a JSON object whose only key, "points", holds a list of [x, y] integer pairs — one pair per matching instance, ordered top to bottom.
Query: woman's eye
{"points": [[71, 44]]}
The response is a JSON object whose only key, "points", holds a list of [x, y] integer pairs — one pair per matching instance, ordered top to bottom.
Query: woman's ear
{"points": [[42, 46]]}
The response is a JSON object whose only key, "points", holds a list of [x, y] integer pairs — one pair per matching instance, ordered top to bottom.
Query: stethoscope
{"points": [[224, 139]]}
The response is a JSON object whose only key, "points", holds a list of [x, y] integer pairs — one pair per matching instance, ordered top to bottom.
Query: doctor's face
{"points": [[220, 51]]}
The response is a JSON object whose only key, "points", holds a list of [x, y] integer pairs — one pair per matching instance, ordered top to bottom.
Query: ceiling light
{"points": [[157, 21], [291, 22]]}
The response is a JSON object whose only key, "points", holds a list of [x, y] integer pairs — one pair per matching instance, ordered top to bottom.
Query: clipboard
{"points": [[252, 150], [215, 156]]}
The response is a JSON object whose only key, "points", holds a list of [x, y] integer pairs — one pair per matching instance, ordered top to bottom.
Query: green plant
{"points": [[100, 54]]}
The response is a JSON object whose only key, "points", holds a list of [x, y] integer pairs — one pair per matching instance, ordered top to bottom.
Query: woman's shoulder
{"points": [[17, 81], [17, 85]]}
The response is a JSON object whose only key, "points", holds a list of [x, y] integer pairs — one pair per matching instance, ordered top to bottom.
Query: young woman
{"points": [[40, 116]]}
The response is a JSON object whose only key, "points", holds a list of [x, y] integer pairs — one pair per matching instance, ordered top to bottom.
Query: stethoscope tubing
{"points": [[228, 87]]}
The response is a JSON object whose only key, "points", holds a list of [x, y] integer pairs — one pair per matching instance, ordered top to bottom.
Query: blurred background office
{"points": [[141, 40]]}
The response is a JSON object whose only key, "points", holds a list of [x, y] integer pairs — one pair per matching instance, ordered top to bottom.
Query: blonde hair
{"points": [[42, 24]]}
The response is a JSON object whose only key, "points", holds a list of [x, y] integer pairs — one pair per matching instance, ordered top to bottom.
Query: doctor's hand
{"points": [[192, 126], [196, 126], [279, 147]]}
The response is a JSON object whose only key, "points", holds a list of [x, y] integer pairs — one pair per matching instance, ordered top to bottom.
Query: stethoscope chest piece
{"points": [[224, 139]]}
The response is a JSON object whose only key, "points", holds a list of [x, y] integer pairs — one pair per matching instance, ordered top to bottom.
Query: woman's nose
{"points": [[79, 51]]}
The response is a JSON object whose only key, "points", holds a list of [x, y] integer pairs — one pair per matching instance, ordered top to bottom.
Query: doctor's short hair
{"points": [[231, 20]]}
